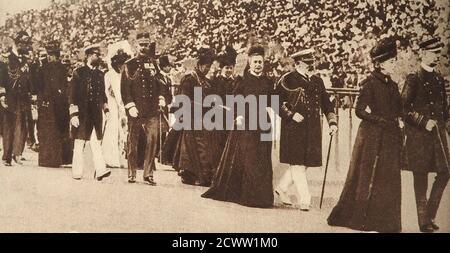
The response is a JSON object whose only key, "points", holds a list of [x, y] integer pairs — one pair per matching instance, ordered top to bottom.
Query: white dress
{"points": [[115, 131]]}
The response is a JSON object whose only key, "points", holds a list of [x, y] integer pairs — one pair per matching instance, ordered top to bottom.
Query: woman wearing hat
{"points": [[224, 83], [53, 108], [114, 136], [198, 151], [244, 175], [371, 198]]}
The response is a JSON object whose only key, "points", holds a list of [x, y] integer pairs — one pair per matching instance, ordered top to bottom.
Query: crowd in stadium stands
{"points": [[342, 31]]}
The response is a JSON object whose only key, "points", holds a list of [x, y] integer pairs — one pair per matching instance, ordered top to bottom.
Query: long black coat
{"points": [[223, 86], [51, 87], [424, 98], [87, 99], [380, 134], [301, 143], [198, 151], [244, 175]]}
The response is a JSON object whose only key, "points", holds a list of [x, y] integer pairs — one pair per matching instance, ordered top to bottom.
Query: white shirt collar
{"points": [[90, 66], [427, 68], [253, 73], [223, 75]]}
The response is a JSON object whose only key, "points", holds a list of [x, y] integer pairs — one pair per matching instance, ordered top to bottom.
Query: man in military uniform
{"points": [[163, 76], [15, 92], [143, 96], [302, 98], [88, 102], [426, 113]]}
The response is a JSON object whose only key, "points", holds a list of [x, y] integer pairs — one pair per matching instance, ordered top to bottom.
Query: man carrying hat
{"points": [[15, 92], [143, 96], [302, 99], [88, 102], [53, 109], [427, 117]]}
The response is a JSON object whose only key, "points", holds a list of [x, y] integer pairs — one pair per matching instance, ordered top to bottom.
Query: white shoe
{"points": [[283, 197]]}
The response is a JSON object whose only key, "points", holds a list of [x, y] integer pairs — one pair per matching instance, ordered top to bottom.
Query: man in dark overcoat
{"points": [[15, 93], [303, 98], [88, 102], [426, 113]]}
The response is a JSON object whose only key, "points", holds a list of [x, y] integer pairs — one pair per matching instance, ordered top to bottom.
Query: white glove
{"points": [[162, 101], [3, 102], [133, 112], [298, 117], [240, 120], [75, 121], [401, 124], [430, 125], [333, 129]]}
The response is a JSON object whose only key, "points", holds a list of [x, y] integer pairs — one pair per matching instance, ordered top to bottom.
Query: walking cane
{"points": [[442, 146], [326, 170]]}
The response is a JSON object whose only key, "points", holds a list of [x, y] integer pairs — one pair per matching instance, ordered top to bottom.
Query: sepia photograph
{"points": [[224, 116]]}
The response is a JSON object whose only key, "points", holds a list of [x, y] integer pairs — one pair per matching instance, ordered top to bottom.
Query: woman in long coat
{"points": [[53, 108], [197, 153], [244, 175], [371, 198]]}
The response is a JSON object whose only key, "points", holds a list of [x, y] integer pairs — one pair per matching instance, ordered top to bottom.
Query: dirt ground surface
{"points": [[36, 199]]}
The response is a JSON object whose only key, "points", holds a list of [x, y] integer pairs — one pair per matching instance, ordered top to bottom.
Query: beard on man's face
{"points": [[95, 62]]}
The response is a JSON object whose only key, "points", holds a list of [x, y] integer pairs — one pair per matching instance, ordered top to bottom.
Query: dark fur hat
{"points": [[256, 50], [384, 50], [205, 56], [228, 58]]}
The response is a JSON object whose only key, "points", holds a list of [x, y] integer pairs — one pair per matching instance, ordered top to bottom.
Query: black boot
{"points": [[150, 181], [435, 197], [424, 220]]}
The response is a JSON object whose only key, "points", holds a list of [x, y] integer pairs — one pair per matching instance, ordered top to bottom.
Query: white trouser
{"points": [[97, 156], [296, 174]]}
